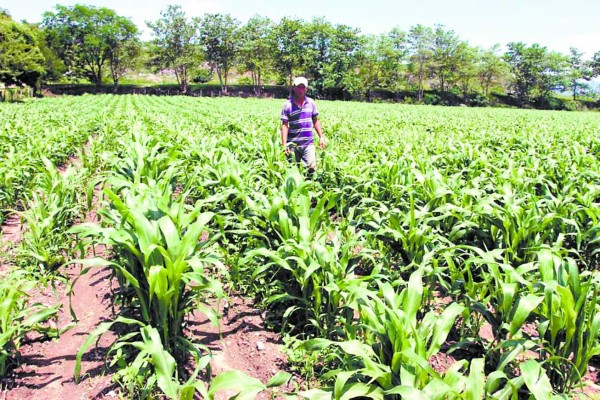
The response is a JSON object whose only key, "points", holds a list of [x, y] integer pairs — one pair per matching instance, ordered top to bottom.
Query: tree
{"points": [[84, 36], [220, 38], [316, 39], [420, 40], [176, 44], [255, 49], [446, 51], [288, 52], [392, 52], [122, 58], [21, 61], [53, 65], [595, 65], [369, 68], [491, 68], [465, 69], [339, 71], [535, 71], [578, 71]]}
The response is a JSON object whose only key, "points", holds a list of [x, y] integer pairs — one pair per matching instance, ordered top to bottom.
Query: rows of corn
{"points": [[426, 233]]}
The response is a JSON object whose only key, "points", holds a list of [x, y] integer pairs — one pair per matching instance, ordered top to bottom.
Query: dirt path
{"points": [[244, 343], [47, 367], [46, 370]]}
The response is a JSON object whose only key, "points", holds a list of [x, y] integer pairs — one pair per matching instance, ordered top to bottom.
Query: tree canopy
{"points": [[86, 37], [176, 44], [21, 61]]}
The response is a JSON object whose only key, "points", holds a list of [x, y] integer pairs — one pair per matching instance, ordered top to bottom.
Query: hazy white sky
{"points": [[556, 24]]}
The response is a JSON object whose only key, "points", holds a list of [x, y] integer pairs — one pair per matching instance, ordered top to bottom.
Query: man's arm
{"points": [[317, 125], [284, 135]]}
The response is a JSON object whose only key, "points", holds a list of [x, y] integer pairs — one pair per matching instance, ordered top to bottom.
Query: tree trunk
{"points": [[220, 75], [259, 82]]}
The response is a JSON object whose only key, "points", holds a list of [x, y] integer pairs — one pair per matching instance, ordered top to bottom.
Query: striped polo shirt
{"points": [[300, 121]]}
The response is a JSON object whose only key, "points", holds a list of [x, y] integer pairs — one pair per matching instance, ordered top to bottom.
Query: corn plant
{"points": [[50, 211], [161, 266], [506, 302], [18, 317], [569, 319], [392, 357], [246, 387]]}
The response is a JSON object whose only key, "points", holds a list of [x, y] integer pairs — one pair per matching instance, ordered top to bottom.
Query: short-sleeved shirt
{"points": [[300, 121]]}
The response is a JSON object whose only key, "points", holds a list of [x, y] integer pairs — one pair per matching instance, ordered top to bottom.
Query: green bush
{"points": [[203, 76], [244, 80]]}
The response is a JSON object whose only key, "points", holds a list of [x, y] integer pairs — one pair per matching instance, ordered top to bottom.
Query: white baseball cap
{"points": [[300, 81]]}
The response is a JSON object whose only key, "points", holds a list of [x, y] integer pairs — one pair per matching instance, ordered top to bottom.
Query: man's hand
{"points": [[322, 142], [287, 150]]}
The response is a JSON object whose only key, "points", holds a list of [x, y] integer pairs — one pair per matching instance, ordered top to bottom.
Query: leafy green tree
{"points": [[84, 36], [317, 38], [220, 39], [420, 39], [176, 44], [288, 47], [255, 49], [123, 51], [392, 52], [446, 52], [123, 58], [21, 61], [382, 61], [595, 65], [54, 66], [369, 68], [491, 68], [465, 70], [535, 70], [339, 71], [578, 72]]}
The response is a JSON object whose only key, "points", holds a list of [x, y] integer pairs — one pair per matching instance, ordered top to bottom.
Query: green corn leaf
{"points": [[414, 295], [525, 305], [41, 316], [443, 326], [95, 335], [163, 362], [281, 378], [536, 380], [476, 381], [340, 383], [246, 386], [361, 390], [408, 392]]}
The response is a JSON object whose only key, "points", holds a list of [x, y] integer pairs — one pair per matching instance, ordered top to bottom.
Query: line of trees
{"points": [[95, 43]]}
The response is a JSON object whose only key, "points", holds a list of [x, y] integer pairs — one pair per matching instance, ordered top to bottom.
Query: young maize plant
{"points": [[50, 211], [163, 251], [311, 260], [505, 299], [569, 315], [18, 317], [391, 359]]}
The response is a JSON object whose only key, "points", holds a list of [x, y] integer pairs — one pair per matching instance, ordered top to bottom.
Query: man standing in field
{"points": [[298, 117]]}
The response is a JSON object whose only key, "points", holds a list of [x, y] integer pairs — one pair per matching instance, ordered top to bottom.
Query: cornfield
{"points": [[420, 227]]}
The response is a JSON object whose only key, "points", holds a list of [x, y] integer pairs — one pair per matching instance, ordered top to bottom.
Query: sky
{"points": [[556, 24]]}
